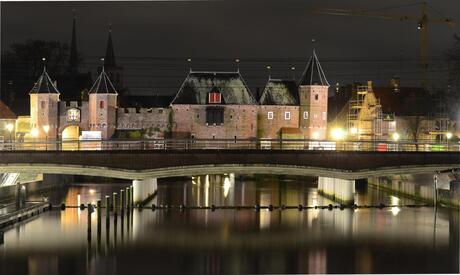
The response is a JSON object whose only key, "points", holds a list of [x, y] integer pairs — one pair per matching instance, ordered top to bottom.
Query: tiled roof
{"points": [[313, 73], [44, 85], [102, 85], [197, 85], [280, 92], [5, 112]]}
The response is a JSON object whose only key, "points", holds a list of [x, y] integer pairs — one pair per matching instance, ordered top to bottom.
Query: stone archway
{"points": [[70, 137]]}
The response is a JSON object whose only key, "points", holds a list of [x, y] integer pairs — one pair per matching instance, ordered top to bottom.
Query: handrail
{"points": [[251, 143]]}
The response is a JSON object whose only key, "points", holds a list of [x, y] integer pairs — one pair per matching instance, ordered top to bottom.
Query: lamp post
{"points": [[10, 128], [46, 128], [34, 133], [448, 136], [396, 137]]}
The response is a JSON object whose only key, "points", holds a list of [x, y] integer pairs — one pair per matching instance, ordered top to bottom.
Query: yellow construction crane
{"points": [[422, 20]]}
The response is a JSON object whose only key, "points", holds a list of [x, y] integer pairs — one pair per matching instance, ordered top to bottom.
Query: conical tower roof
{"points": [[73, 61], [313, 73], [44, 85], [103, 85]]}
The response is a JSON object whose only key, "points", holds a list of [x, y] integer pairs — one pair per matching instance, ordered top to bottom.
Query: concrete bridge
{"points": [[142, 164], [335, 168]]}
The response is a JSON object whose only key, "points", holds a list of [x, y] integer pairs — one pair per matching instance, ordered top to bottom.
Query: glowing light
{"points": [[9, 127], [46, 128], [354, 131], [34, 132], [338, 133], [315, 135], [449, 135], [395, 136], [227, 185], [92, 191], [394, 200], [395, 210]]}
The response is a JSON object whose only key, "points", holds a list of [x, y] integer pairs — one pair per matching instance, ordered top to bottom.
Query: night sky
{"points": [[153, 39]]}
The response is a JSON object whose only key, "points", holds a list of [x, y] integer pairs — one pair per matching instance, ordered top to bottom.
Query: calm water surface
{"points": [[390, 240]]}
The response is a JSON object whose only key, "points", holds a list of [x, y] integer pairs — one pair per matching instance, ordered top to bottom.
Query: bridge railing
{"points": [[204, 144]]}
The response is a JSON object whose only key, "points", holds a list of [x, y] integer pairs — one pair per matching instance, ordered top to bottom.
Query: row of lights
{"points": [[34, 131], [340, 134]]}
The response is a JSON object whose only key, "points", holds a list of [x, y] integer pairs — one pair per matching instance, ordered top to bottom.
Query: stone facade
{"points": [[208, 105]]}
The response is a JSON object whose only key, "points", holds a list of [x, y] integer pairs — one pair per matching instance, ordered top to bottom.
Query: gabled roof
{"points": [[313, 73], [44, 85], [103, 85], [197, 85], [280, 92], [5, 112]]}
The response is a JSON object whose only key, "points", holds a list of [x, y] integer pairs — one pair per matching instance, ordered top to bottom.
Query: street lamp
{"points": [[10, 128], [46, 128], [34, 133], [395, 136], [448, 136]]}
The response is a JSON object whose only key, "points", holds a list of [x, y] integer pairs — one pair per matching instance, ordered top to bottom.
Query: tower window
{"points": [[214, 97], [316, 97], [42, 104], [101, 104], [270, 115], [287, 115], [305, 115]]}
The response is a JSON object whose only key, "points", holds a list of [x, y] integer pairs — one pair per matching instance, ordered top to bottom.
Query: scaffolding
{"points": [[364, 119]]}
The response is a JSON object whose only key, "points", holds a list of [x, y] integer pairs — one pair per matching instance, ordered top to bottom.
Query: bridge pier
{"points": [[143, 189], [339, 190]]}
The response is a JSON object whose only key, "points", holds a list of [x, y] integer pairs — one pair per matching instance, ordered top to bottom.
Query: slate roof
{"points": [[313, 73], [44, 85], [102, 85], [197, 85], [280, 92], [5, 112]]}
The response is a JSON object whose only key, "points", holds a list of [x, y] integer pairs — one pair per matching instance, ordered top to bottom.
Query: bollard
{"points": [[131, 196], [128, 197], [122, 201], [114, 203], [62, 206], [154, 207], [270, 207], [89, 208], [107, 211], [99, 216]]}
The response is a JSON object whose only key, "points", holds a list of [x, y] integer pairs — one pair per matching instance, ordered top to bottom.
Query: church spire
{"points": [[109, 60], [73, 61]]}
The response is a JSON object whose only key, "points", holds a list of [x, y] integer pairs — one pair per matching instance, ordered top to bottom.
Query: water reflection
{"points": [[232, 241]]}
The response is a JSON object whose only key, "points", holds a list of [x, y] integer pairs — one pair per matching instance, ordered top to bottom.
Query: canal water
{"points": [[400, 239]]}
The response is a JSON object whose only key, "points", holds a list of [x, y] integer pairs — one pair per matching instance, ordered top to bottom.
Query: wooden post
{"points": [[128, 197], [122, 201], [114, 203], [107, 211], [99, 216]]}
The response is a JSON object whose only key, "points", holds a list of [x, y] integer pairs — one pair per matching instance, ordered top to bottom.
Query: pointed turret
{"points": [[109, 52], [73, 61], [313, 73], [44, 85], [103, 85], [313, 94], [44, 101]]}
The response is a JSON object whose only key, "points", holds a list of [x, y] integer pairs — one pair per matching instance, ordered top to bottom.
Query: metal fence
{"points": [[255, 144]]}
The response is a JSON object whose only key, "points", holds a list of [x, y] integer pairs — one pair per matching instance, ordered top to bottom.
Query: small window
{"points": [[316, 97], [214, 98], [43, 104], [101, 104], [270, 115], [287, 115], [305, 115], [324, 115]]}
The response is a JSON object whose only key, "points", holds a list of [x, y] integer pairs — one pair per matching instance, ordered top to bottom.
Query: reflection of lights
{"points": [[354, 131], [227, 185], [92, 191], [206, 191], [395, 211]]}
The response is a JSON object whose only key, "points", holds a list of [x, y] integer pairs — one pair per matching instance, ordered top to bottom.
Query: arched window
{"points": [[101, 104]]}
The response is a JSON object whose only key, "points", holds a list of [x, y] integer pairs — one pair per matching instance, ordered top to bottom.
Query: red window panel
{"points": [[214, 98]]}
